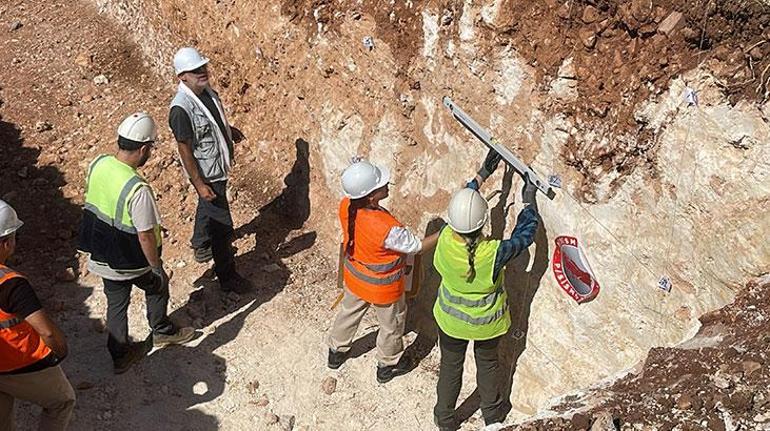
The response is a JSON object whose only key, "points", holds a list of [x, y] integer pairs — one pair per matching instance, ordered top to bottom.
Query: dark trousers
{"points": [[214, 228], [118, 297], [450, 378]]}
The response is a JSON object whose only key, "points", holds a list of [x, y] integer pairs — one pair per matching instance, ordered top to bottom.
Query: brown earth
{"points": [[623, 53], [57, 113], [55, 119], [718, 380]]}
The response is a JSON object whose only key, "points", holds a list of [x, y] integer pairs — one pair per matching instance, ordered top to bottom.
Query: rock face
{"points": [[676, 191], [715, 381]]}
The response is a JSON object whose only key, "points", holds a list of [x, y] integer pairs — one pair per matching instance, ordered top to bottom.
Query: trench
{"points": [[309, 97]]}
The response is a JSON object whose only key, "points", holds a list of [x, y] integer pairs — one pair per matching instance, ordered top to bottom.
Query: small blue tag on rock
{"points": [[665, 284]]}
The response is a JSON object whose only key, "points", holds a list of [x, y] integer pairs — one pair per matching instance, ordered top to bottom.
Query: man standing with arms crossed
{"points": [[205, 144], [121, 233], [31, 345]]}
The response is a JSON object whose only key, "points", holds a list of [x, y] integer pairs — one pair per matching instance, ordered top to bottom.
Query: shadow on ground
{"points": [[46, 253], [199, 374]]}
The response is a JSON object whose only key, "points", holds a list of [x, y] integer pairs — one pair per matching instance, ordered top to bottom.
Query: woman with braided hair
{"points": [[375, 245], [471, 304]]}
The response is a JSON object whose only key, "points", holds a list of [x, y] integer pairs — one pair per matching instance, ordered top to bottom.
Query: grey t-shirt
{"points": [[145, 216]]}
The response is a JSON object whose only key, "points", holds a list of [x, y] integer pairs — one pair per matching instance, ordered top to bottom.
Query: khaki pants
{"points": [[392, 317], [48, 388]]}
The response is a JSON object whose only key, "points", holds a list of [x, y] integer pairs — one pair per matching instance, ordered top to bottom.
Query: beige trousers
{"points": [[392, 317], [48, 388]]}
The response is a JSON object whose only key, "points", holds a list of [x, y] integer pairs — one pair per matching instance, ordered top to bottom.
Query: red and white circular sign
{"points": [[572, 271]]}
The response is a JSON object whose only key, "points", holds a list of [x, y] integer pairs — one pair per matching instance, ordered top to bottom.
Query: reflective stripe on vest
{"points": [[385, 267], [372, 280], [483, 302], [474, 309], [484, 320], [20, 344]]}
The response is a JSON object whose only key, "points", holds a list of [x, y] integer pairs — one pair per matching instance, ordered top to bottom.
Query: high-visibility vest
{"points": [[107, 231], [373, 273], [469, 310], [20, 344]]}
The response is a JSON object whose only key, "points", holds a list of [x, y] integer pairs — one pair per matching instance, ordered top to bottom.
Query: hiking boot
{"points": [[203, 254], [237, 284], [181, 336], [135, 352], [336, 359], [386, 374]]}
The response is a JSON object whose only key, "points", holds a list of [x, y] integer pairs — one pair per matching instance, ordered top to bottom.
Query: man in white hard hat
{"points": [[205, 143], [121, 233], [31, 345]]}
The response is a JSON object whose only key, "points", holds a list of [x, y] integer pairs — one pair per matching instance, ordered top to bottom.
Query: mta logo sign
{"points": [[572, 271]]}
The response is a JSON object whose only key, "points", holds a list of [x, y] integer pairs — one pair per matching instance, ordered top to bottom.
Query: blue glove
{"points": [[472, 184]]}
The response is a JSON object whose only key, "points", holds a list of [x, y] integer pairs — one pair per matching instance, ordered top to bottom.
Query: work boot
{"points": [[203, 254], [236, 284], [181, 336], [135, 352], [336, 359], [386, 374], [502, 412], [452, 427]]}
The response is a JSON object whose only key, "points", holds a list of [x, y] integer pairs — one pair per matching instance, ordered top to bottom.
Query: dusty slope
{"points": [[287, 83]]}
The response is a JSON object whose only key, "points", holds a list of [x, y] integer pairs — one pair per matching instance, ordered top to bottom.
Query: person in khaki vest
{"points": [[205, 141], [375, 246], [472, 303], [31, 345]]}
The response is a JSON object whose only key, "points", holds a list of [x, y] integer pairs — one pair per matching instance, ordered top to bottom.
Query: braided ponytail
{"points": [[355, 205], [471, 243]]}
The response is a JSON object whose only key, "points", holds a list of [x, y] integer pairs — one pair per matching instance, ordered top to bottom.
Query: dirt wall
{"points": [[593, 93]]}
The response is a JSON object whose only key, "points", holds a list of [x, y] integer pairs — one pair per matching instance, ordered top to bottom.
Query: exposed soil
{"points": [[623, 52], [70, 76], [258, 362], [719, 380]]}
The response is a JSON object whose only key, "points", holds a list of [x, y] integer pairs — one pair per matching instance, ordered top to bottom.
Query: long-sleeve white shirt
{"points": [[402, 240]]}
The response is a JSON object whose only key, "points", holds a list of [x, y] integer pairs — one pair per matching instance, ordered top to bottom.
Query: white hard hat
{"points": [[187, 59], [138, 127], [362, 178], [467, 211], [9, 221]]}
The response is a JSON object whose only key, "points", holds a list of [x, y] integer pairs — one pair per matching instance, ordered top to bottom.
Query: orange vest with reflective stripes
{"points": [[373, 273], [20, 344]]}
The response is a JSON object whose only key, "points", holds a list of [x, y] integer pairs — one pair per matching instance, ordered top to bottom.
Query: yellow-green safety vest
{"points": [[111, 186], [107, 231], [475, 310]]}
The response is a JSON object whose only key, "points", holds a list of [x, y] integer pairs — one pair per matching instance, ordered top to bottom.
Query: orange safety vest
{"points": [[373, 273], [20, 344]]}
